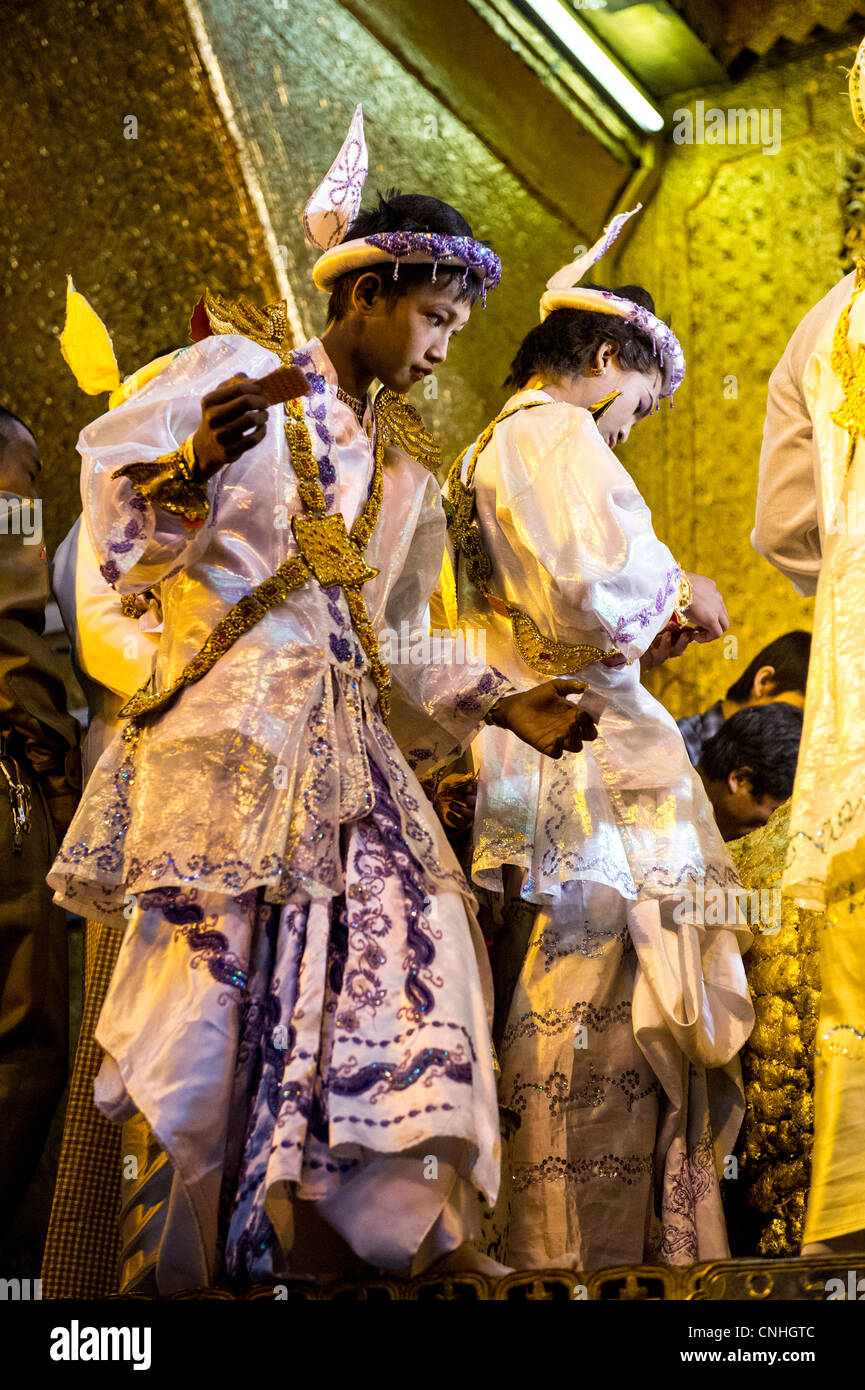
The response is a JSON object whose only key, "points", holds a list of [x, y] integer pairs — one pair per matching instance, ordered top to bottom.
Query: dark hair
{"points": [[404, 212], [568, 339], [7, 419], [789, 655], [762, 738]]}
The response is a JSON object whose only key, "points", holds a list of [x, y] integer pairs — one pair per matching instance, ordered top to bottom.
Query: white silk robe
{"points": [[611, 842]]}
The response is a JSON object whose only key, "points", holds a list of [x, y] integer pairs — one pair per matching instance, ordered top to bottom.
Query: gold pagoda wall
{"points": [[116, 169], [143, 216], [736, 246]]}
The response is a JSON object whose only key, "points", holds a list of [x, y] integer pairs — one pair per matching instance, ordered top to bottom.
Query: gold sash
{"points": [[543, 654]]}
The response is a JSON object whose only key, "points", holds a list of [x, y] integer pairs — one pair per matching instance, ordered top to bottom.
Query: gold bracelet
{"points": [[187, 463], [683, 600]]}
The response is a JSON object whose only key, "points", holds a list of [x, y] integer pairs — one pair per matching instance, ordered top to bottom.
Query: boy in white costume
{"points": [[296, 1022], [620, 1046]]}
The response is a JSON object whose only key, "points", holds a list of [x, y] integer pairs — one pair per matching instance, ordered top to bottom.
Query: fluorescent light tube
{"points": [[594, 60]]}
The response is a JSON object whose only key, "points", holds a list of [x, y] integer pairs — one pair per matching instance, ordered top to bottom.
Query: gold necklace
{"points": [[354, 403], [328, 552], [545, 655]]}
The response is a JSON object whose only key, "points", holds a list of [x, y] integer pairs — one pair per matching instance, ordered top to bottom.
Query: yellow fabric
{"points": [[86, 345], [140, 378], [827, 822], [836, 1203]]}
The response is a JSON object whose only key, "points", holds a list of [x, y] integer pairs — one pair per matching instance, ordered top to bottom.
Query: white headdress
{"points": [[334, 206], [564, 292]]}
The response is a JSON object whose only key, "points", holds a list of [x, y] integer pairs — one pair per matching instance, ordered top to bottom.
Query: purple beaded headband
{"points": [[334, 206], [564, 292]]}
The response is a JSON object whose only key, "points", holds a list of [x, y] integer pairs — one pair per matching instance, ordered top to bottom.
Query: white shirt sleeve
{"points": [[788, 525]]}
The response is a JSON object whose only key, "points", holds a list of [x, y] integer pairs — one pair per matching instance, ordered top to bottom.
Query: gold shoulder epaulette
{"points": [[266, 325], [402, 427]]}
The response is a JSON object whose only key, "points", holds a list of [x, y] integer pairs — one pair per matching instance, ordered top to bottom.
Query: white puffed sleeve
{"points": [[787, 523], [138, 544], [581, 555], [440, 687]]}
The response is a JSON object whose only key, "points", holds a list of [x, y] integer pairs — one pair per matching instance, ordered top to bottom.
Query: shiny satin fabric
{"points": [[267, 782], [627, 820], [827, 821], [824, 868]]}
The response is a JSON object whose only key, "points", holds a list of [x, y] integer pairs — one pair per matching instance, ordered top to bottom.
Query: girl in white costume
{"points": [[620, 1046]]}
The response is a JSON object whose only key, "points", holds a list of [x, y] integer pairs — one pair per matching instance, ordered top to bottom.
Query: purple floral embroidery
{"points": [[132, 531], [644, 617], [341, 648], [471, 700], [416, 756], [210, 947], [420, 952]]}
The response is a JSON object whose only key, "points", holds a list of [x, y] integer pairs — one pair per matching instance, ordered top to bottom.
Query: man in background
{"points": [[778, 672], [748, 767], [40, 783]]}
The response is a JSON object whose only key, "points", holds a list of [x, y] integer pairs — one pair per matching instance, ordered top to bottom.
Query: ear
{"points": [[365, 291], [607, 355], [764, 682], [741, 781]]}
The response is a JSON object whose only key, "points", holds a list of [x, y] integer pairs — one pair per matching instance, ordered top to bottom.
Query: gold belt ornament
{"points": [[545, 655]]}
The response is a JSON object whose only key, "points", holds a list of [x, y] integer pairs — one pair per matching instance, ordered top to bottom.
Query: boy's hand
{"points": [[233, 419], [706, 611], [673, 641], [544, 719], [455, 801]]}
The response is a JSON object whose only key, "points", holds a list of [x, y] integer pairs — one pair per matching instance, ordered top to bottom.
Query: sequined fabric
{"points": [[298, 933], [783, 969], [615, 1160]]}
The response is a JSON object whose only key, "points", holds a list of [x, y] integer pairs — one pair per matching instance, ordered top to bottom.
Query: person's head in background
{"points": [[20, 465], [778, 672], [749, 766]]}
